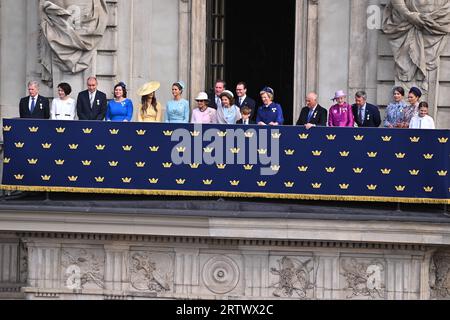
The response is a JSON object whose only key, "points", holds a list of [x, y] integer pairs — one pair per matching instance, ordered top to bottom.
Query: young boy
{"points": [[246, 113], [423, 120]]}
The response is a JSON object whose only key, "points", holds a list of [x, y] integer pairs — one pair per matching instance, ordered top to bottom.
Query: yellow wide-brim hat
{"points": [[149, 88]]}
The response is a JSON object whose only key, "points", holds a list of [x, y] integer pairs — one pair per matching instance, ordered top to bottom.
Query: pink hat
{"points": [[339, 94]]}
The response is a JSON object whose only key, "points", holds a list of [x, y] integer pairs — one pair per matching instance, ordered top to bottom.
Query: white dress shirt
{"points": [[426, 122]]}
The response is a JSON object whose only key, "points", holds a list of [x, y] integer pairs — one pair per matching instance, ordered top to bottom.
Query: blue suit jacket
{"points": [[42, 110], [372, 118]]}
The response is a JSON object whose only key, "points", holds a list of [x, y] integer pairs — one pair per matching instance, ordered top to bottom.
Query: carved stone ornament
{"points": [[83, 269], [151, 272], [221, 275], [440, 277], [296, 278], [364, 279]]}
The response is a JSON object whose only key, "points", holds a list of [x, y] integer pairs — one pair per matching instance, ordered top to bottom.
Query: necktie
{"points": [[91, 99], [240, 101], [33, 105], [311, 112], [361, 115]]}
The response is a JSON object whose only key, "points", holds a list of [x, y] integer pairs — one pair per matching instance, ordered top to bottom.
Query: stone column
{"points": [[184, 43], [116, 268], [187, 271]]}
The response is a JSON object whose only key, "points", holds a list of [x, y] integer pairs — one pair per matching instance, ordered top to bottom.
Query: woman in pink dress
{"points": [[203, 114], [341, 114]]}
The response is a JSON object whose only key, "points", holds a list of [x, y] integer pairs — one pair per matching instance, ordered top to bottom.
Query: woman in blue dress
{"points": [[120, 109], [396, 109], [178, 110], [271, 113]]}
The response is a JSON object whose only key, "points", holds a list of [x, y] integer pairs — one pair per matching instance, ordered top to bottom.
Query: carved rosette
{"points": [[83, 269], [221, 275], [440, 277]]}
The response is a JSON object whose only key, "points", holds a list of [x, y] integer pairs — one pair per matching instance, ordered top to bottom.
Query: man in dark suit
{"points": [[219, 88], [244, 101], [91, 103], [34, 106], [313, 114], [366, 115]]}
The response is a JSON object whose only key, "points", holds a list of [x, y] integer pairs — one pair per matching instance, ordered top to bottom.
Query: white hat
{"points": [[202, 96]]}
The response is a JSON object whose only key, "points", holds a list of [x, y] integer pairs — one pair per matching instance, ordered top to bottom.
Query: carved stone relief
{"points": [[83, 269], [151, 272], [221, 274], [440, 277], [295, 278], [365, 279]]}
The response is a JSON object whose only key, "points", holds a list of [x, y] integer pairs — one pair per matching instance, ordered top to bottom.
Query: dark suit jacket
{"points": [[212, 100], [250, 103], [42, 110], [98, 110], [319, 118], [372, 118], [250, 122]]}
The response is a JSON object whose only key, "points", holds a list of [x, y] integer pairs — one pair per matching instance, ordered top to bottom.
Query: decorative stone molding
{"points": [[83, 269], [221, 275], [440, 277]]}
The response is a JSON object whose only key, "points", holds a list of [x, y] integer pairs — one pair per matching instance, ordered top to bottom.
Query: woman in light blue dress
{"points": [[120, 109], [178, 110], [395, 111]]}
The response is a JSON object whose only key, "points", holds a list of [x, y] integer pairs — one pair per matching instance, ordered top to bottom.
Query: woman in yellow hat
{"points": [[150, 109]]}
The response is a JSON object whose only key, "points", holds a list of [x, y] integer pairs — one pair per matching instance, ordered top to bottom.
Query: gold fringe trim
{"points": [[227, 194]]}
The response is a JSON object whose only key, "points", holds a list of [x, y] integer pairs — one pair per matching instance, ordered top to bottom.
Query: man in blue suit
{"points": [[243, 100], [91, 103], [34, 106], [366, 115]]}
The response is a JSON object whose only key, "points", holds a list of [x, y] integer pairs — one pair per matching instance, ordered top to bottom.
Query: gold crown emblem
{"points": [[7, 128], [33, 129], [60, 130], [87, 131], [114, 131], [141, 132], [168, 133], [195, 133], [222, 134], [249, 135], [276, 135], [303, 136], [331, 137], [359, 138], [386, 138], [414, 139], [443, 140], [19, 145], [46, 145], [73, 146], [100, 147], [127, 148], [154, 149], [181, 149], [208, 150], [235, 150], [262, 151], [289, 152], [317, 153], [344, 154], [372, 154], [400, 155], [428, 156], [6, 160], [32, 161], [59, 162], [86, 163], [113, 163], [140, 164], [167, 165], [194, 165], [221, 166], [248, 167], [275, 168], [303, 169], [330, 170], [358, 170], [386, 171], [414, 172], [442, 173], [19, 176], [46, 178], [73, 178], [100, 179], [127, 180], [153, 181], [181, 181], [207, 182], [234, 183], [261, 184], [289, 184], [316, 185], [344, 186], [372, 187], [400, 188], [428, 189]]}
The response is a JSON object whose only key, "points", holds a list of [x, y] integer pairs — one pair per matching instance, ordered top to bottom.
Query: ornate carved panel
{"points": [[83, 269], [440, 277]]}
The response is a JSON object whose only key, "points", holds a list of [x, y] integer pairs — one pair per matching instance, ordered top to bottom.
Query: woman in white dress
{"points": [[64, 107]]}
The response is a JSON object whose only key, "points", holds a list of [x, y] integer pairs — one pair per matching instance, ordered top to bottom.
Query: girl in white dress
{"points": [[64, 107], [423, 120]]}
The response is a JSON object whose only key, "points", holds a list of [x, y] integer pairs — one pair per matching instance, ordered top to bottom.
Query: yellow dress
{"points": [[150, 115]]}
